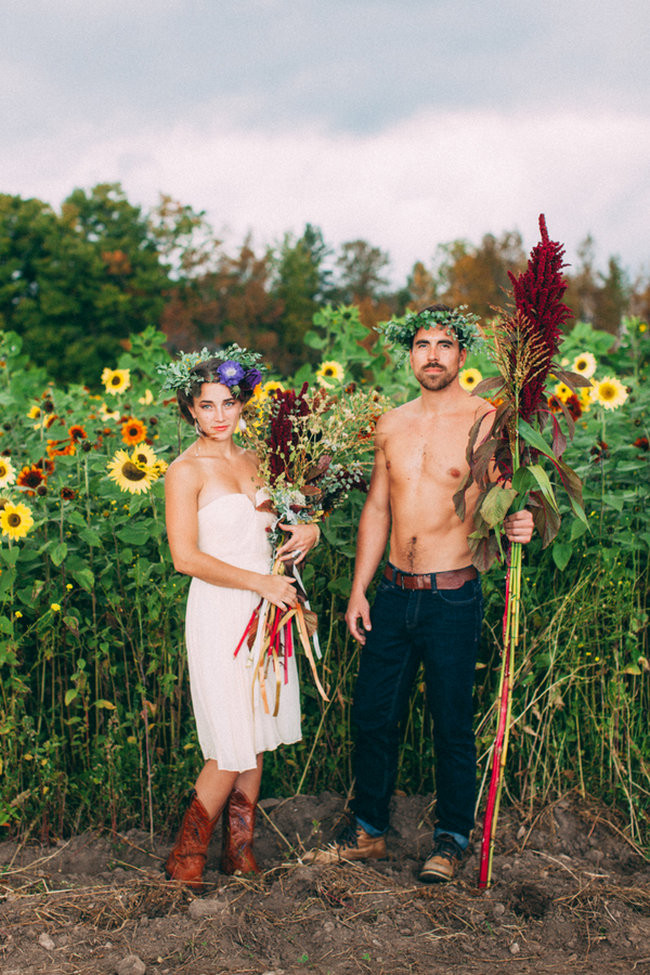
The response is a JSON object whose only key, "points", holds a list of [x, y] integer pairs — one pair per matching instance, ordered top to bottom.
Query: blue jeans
{"points": [[440, 628]]}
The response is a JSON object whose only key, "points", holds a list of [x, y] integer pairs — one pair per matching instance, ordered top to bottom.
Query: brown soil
{"points": [[569, 894]]}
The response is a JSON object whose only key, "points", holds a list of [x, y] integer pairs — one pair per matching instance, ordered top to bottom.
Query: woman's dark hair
{"points": [[206, 372]]}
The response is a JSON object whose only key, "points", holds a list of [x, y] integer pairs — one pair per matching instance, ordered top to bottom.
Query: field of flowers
{"points": [[95, 723]]}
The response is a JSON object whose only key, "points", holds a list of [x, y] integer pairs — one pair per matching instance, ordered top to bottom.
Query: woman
{"points": [[218, 536]]}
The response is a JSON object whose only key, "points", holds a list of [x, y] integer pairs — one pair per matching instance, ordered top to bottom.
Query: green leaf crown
{"points": [[456, 321], [179, 374]]}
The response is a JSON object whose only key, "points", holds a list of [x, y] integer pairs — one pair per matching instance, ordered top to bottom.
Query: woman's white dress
{"points": [[232, 724]]}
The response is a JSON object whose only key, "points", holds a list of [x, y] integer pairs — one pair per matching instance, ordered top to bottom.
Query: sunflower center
{"points": [[115, 380], [608, 392], [132, 473], [14, 520]]}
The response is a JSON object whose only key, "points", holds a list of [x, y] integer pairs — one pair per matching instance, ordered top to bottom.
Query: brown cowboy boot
{"points": [[238, 826], [187, 859]]}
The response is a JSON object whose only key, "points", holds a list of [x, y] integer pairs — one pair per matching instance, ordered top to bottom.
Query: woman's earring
{"points": [[242, 424], [197, 427]]}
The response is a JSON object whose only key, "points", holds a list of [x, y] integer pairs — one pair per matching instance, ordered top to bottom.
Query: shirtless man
{"points": [[428, 605]]}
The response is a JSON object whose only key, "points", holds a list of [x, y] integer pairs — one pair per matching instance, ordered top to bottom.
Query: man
{"points": [[428, 605]]}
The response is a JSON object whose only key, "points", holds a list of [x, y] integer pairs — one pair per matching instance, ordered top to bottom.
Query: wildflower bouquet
{"points": [[523, 344], [312, 446]]}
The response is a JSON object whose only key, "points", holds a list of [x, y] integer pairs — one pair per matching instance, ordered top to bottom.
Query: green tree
{"points": [[362, 272], [75, 285], [301, 285], [613, 297]]}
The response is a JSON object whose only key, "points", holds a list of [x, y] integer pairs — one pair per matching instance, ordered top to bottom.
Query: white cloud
{"points": [[429, 179]]}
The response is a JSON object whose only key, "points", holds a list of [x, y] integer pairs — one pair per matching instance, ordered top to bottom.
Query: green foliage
{"points": [[95, 718]]}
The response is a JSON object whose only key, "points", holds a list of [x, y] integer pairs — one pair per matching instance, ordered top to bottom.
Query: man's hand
{"points": [[519, 526], [358, 610]]}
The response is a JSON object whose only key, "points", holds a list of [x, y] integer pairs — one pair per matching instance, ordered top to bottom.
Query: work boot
{"points": [[238, 827], [352, 843], [186, 861], [441, 863]]}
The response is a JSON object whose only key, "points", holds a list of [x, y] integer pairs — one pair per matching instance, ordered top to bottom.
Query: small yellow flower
{"points": [[643, 326], [584, 364], [329, 373], [469, 378], [116, 380], [562, 391], [609, 393], [584, 398], [147, 399], [34, 413], [107, 414], [7, 472], [15, 520], [68, 586], [55, 607], [18, 615]]}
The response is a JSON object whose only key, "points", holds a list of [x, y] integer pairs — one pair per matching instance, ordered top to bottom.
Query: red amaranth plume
{"points": [[538, 295], [283, 436]]}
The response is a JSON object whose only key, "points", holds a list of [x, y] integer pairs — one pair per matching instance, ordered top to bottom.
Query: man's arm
{"points": [[374, 526]]}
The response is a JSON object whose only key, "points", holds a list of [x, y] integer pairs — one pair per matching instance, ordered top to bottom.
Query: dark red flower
{"points": [[538, 295], [642, 443]]}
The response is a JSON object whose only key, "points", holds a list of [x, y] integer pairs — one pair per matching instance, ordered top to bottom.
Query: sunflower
{"points": [[584, 364], [329, 373], [469, 378], [116, 380], [562, 391], [609, 393], [585, 397], [147, 399], [574, 407], [34, 413], [107, 414], [133, 431], [77, 432], [54, 448], [144, 456], [7, 472], [128, 475], [31, 478], [68, 494], [15, 520]]}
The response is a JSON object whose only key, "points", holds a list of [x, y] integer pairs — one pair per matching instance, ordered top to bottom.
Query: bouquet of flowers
{"points": [[314, 448]]}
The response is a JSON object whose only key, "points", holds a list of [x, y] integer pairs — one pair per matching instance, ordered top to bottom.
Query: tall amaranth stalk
{"points": [[506, 465]]}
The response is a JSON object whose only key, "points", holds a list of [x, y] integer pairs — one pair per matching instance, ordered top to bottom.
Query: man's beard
{"points": [[435, 380]]}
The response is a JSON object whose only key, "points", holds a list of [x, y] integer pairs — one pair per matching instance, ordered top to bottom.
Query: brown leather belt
{"points": [[453, 579]]}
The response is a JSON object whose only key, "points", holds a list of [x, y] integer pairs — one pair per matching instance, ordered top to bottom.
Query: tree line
{"points": [[76, 283]]}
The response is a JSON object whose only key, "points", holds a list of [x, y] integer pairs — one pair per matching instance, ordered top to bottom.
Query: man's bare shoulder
{"points": [[393, 421]]}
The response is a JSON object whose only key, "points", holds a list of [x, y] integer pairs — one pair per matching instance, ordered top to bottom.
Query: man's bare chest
{"points": [[420, 459]]}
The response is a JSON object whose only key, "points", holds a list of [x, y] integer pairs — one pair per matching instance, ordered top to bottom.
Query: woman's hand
{"points": [[303, 539], [279, 590]]}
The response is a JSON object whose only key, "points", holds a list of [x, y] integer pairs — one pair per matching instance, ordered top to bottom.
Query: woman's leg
{"points": [[213, 786], [239, 822]]}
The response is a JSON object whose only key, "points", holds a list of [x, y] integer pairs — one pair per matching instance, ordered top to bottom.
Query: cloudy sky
{"points": [[405, 122]]}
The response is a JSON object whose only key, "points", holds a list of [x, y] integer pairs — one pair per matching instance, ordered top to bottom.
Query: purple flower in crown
{"points": [[230, 373], [252, 378]]}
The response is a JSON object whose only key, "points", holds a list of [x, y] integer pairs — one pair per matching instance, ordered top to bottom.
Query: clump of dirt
{"points": [[570, 894]]}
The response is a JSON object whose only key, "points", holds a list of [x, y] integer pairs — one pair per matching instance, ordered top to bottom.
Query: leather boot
{"points": [[238, 827], [187, 859]]}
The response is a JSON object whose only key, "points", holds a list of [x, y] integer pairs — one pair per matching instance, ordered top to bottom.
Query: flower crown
{"points": [[456, 321], [239, 369]]}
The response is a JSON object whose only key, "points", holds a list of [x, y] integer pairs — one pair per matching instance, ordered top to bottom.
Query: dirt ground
{"points": [[569, 894]]}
